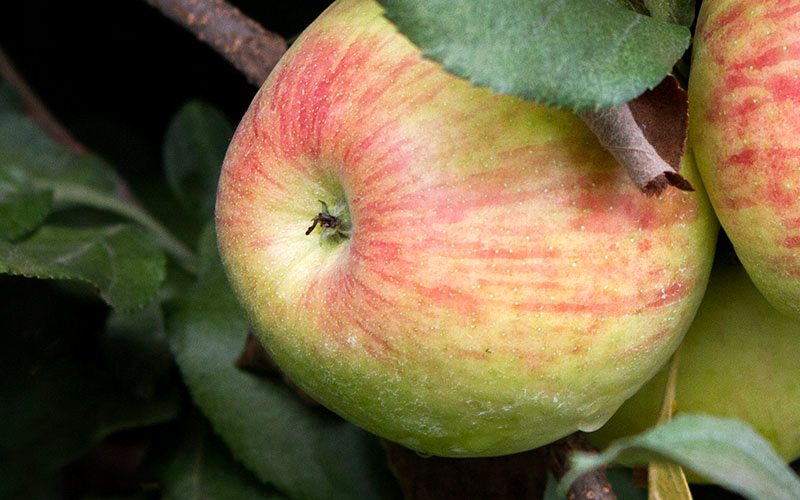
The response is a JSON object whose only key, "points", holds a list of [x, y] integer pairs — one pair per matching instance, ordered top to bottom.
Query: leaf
{"points": [[673, 11], [580, 54], [9, 98], [24, 146], [194, 148], [85, 180], [22, 205], [122, 262], [136, 349], [57, 403], [725, 451], [303, 452], [200, 467]]}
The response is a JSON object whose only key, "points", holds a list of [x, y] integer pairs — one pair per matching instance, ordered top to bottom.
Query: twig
{"points": [[243, 42], [35, 108], [618, 132], [593, 485]]}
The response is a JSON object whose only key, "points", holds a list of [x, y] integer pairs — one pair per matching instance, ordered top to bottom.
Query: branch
{"points": [[251, 49], [35, 108], [618, 132], [593, 484]]}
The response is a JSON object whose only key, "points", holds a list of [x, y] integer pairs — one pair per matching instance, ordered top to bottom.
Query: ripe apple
{"points": [[744, 96], [483, 278], [739, 359]]}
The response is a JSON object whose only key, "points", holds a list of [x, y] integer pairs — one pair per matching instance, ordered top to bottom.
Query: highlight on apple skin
{"points": [[744, 98], [493, 280], [739, 360]]}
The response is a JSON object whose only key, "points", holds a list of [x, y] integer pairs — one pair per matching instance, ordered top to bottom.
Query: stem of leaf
{"points": [[167, 241]]}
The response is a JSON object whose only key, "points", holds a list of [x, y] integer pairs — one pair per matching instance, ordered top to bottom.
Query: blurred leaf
{"points": [[673, 11], [578, 54], [9, 98], [194, 148], [49, 165], [76, 180], [22, 206], [123, 263], [136, 349], [57, 404], [725, 451], [304, 452], [200, 467], [624, 485], [551, 491]]}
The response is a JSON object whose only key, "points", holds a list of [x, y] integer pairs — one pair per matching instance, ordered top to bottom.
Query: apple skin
{"points": [[744, 97], [504, 283], [739, 359]]}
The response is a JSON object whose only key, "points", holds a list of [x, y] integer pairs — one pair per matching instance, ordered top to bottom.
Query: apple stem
{"points": [[618, 132], [334, 222], [594, 484]]}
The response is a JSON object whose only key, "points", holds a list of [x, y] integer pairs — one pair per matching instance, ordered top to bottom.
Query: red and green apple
{"points": [[744, 97], [482, 278]]}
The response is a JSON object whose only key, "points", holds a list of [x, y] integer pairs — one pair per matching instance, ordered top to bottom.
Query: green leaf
{"points": [[673, 11], [578, 54], [9, 98], [25, 146], [194, 148], [74, 180], [22, 205], [122, 262], [136, 349], [57, 404], [725, 451], [303, 452], [200, 467]]}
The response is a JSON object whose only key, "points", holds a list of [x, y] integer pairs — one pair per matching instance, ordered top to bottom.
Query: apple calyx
{"points": [[335, 222]]}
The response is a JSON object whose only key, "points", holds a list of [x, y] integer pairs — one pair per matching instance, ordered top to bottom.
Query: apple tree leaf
{"points": [[673, 11], [579, 54], [9, 98], [23, 145], [194, 148], [76, 180], [23, 206], [122, 262], [135, 347], [57, 401], [297, 449], [725, 451], [199, 466]]}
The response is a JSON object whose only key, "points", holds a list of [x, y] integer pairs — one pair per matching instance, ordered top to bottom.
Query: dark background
{"points": [[115, 71]]}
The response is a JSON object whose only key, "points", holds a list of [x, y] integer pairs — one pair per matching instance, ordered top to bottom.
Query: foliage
{"points": [[161, 357]]}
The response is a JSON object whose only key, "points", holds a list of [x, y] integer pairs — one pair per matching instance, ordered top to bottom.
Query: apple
{"points": [[744, 97], [480, 276], [739, 359]]}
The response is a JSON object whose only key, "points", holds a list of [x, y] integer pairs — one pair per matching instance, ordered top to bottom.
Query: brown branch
{"points": [[251, 49], [35, 108], [618, 132], [593, 485]]}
